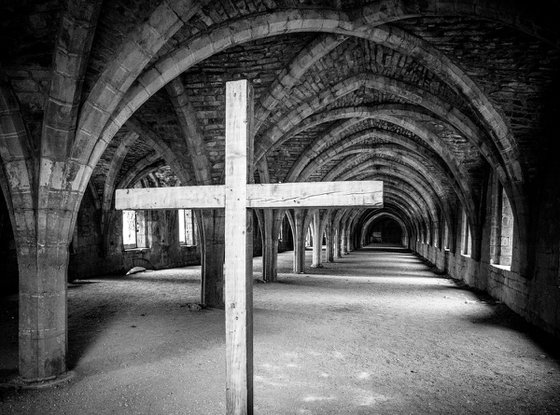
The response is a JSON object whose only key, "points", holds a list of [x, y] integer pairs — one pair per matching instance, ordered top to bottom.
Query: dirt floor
{"points": [[374, 333]]}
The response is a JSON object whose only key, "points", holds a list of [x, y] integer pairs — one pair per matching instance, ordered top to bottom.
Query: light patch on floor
{"points": [[291, 355], [270, 367], [266, 381], [311, 398], [371, 400]]}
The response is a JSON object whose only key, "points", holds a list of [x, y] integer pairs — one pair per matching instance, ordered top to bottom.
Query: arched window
{"points": [[187, 227], [134, 229], [281, 233], [445, 236], [308, 237], [501, 238]]}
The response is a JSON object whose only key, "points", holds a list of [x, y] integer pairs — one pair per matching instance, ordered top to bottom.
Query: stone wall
{"points": [[91, 254], [8, 255], [95, 255], [535, 297]]}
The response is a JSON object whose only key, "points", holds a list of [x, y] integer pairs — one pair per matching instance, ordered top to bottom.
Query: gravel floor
{"points": [[375, 332]]}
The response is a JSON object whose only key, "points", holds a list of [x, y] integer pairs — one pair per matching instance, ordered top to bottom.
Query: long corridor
{"points": [[374, 332]]}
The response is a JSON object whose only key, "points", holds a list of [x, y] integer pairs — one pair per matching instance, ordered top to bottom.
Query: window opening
{"points": [[187, 227], [134, 229], [445, 236], [501, 240]]}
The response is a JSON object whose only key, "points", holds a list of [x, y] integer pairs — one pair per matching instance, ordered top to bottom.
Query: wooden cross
{"points": [[237, 197]]}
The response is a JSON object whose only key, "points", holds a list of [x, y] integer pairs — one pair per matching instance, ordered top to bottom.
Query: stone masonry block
{"points": [[184, 9], [165, 22], [242, 32], [221, 38], [150, 40], [202, 48], [133, 58], [67, 63], [169, 68], [116, 75], [152, 81], [107, 97], [133, 100], [61, 115], [93, 118], [11, 124], [55, 143], [82, 146], [17, 175], [81, 176], [22, 199], [24, 223], [51, 310], [41, 357]]}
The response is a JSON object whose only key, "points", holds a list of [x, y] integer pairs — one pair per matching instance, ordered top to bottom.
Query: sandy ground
{"points": [[374, 333]]}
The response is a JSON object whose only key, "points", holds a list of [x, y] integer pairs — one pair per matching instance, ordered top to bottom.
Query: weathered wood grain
{"points": [[316, 194], [237, 196], [271, 196], [184, 197], [238, 273]]}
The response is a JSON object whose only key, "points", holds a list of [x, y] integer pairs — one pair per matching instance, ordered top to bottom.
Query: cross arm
{"points": [[316, 194], [271, 196], [182, 197]]}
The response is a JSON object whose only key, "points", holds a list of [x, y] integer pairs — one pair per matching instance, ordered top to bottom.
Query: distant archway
{"points": [[384, 228]]}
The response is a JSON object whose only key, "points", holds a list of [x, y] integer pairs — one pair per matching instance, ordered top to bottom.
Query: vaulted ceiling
{"points": [[431, 101]]}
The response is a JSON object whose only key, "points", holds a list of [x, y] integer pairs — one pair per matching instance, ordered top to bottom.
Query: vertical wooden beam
{"points": [[238, 250]]}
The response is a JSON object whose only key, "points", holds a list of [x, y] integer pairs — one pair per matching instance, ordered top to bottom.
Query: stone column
{"points": [[271, 227], [337, 229], [336, 237], [330, 239], [343, 239], [317, 240], [299, 241], [349, 243], [212, 258], [43, 266], [42, 310]]}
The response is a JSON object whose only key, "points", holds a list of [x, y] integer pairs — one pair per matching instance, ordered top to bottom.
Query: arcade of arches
{"points": [[451, 104]]}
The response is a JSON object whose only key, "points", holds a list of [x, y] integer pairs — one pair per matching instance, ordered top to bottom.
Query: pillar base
{"points": [[316, 265], [19, 383]]}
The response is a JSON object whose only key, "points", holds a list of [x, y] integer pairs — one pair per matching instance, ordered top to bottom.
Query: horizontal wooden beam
{"points": [[315, 194], [272, 196], [182, 197]]}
